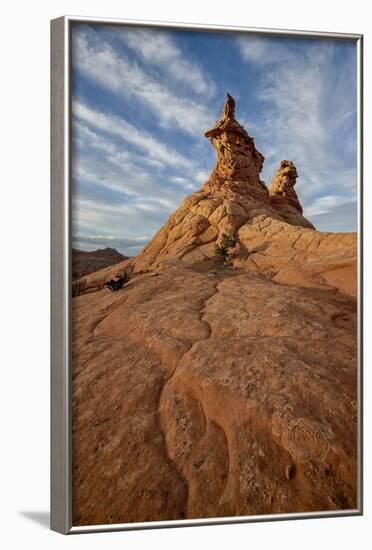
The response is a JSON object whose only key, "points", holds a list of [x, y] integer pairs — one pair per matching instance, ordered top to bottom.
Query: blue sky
{"points": [[142, 99]]}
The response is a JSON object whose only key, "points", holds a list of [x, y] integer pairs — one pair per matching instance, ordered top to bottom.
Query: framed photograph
{"points": [[206, 275]]}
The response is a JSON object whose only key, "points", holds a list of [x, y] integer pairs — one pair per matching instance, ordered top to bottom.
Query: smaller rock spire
{"points": [[282, 185]]}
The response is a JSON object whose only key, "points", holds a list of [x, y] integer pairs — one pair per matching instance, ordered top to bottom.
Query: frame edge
{"points": [[60, 492]]}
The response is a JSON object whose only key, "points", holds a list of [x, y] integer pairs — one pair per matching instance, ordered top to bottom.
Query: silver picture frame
{"points": [[61, 362]]}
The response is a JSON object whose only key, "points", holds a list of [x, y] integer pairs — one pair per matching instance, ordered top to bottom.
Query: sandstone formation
{"points": [[282, 193], [231, 198], [272, 235], [208, 390]]}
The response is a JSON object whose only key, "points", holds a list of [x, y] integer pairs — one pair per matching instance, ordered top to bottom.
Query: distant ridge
{"points": [[84, 262]]}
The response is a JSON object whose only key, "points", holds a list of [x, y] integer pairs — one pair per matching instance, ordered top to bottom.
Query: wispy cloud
{"points": [[158, 48], [263, 50], [99, 61], [309, 105], [118, 126], [102, 158], [118, 191], [324, 205], [339, 217], [93, 218]]}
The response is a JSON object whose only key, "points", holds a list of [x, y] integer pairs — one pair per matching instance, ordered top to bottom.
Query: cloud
{"points": [[158, 48], [263, 50], [99, 61], [307, 92], [117, 126], [105, 170], [135, 180], [114, 194], [121, 205], [324, 205], [339, 217], [122, 221]]}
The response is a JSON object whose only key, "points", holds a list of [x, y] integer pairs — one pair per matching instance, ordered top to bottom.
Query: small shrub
{"points": [[222, 250], [119, 282]]}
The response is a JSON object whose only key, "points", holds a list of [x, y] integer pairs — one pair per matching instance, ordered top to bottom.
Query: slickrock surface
{"points": [[208, 391], [194, 393]]}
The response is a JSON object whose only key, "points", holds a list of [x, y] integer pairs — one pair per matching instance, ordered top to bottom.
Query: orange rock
{"points": [[282, 185], [194, 390]]}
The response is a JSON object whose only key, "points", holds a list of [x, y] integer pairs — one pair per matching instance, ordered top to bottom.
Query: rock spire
{"points": [[239, 163], [282, 186], [232, 197]]}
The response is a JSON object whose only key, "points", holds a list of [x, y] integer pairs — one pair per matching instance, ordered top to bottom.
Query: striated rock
{"points": [[238, 162], [282, 186], [283, 195], [208, 390]]}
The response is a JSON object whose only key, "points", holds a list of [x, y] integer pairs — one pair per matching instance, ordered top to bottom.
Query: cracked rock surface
{"points": [[195, 394]]}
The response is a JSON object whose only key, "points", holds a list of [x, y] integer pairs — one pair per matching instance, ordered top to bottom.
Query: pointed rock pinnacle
{"points": [[239, 163], [282, 186], [284, 198]]}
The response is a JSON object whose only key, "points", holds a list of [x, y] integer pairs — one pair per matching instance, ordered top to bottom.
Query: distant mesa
{"points": [[84, 262]]}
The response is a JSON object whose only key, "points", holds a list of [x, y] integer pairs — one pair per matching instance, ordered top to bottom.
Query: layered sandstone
{"points": [[283, 195], [208, 390]]}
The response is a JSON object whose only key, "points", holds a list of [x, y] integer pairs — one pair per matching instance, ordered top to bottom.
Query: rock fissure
{"points": [[161, 410]]}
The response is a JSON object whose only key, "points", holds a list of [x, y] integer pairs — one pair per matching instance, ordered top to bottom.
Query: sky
{"points": [[143, 97]]}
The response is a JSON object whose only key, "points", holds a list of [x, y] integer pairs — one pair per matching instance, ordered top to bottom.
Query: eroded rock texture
{"points": [[282, 193], [232, 197], [201, 390], [196, 393]]}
